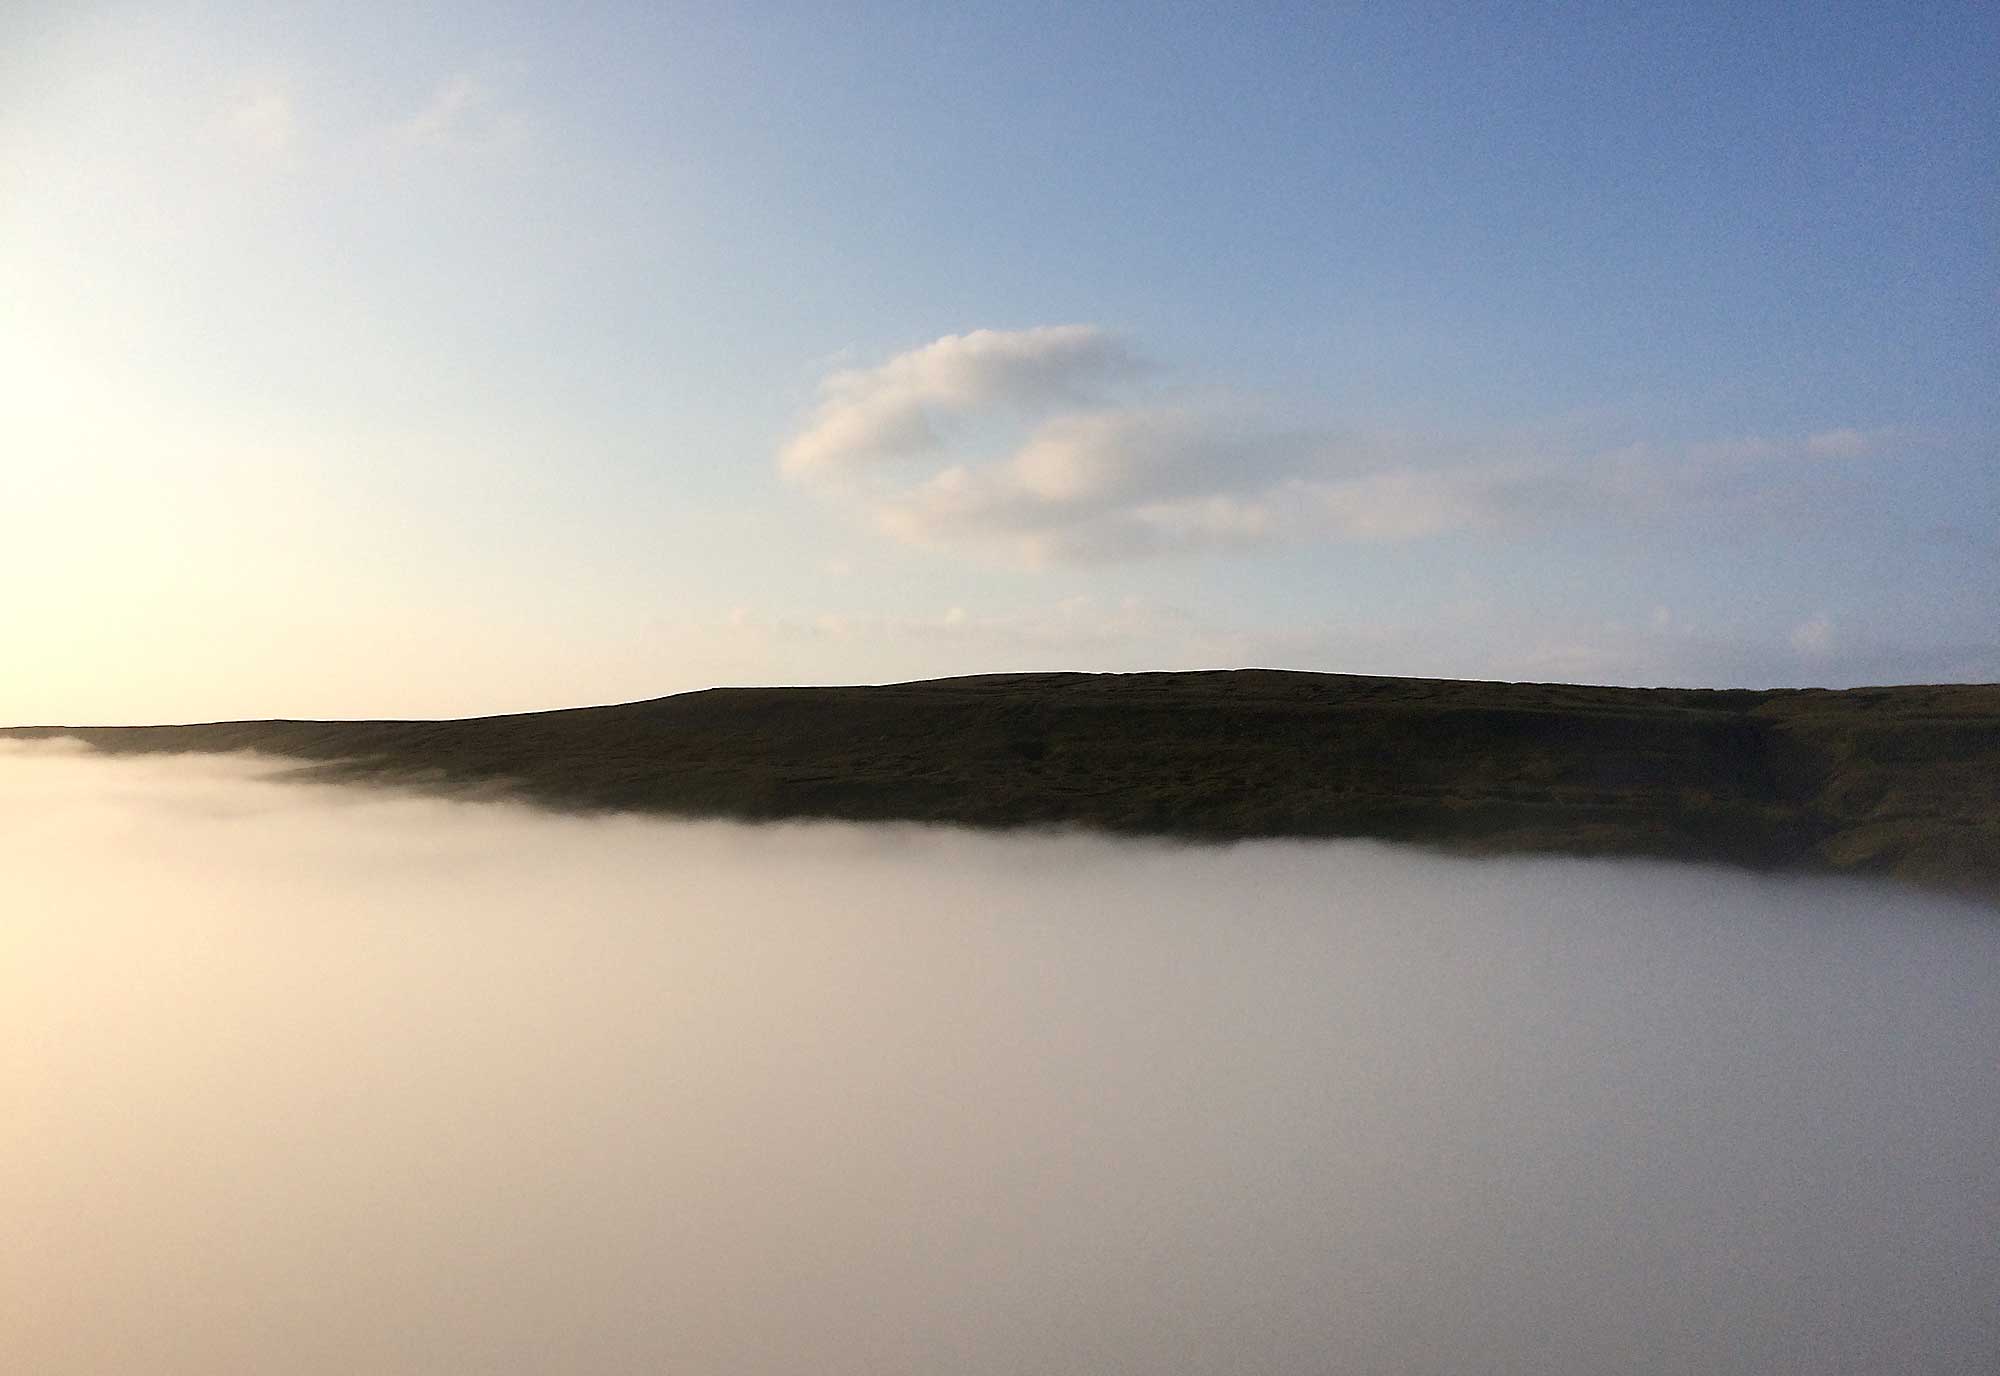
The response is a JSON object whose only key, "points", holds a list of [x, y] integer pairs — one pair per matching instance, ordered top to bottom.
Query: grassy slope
{"points": [[1903, 781]]}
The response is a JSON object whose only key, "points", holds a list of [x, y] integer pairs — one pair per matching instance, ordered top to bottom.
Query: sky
{"points": [[430, 360]]}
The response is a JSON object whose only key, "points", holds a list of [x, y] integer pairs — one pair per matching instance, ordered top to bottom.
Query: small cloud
{"points": [[463, 114], [445, 115], [263, 120], [868, 414], [1844, 442], [1743, 449], [955, 617], [1814, 638]]}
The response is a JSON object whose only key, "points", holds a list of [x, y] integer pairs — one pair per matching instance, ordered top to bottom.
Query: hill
{"points": [[1899, 781]]}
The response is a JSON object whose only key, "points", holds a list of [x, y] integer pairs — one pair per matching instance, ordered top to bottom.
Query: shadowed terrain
{"points": [[1900, 781]]}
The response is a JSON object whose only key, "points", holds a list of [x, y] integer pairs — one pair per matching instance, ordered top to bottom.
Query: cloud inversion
{"points": [[322, 1081]]}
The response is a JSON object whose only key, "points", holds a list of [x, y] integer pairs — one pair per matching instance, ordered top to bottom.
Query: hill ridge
{"points": [[1901, 781]]}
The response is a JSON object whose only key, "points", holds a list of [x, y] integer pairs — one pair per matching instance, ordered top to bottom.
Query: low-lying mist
{"points": [[314, 1080]]}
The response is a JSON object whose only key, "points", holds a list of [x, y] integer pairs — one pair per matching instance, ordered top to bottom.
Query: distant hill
{"points": [[1896, 781]]}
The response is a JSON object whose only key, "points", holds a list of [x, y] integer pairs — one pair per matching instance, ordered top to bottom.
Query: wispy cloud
{"points": [[465, 113], [469, 114], [263, 119], [1846, 443], [1039, 444]]}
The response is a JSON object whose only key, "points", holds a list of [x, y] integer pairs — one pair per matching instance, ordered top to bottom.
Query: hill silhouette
{"points": [[1901, 781]]}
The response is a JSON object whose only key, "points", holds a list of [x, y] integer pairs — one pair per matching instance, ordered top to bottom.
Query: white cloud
{"points": [[868, 414], [1035, 444], [1094, 476]]}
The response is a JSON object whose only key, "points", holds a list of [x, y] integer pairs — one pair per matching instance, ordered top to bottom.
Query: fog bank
{"points": [[316, 1080]]}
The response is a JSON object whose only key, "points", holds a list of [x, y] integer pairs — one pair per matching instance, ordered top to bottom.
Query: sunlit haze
{"points": [[449, 359]]}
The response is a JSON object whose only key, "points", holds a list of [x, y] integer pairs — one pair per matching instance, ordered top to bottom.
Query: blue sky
{"points": [[429, 359]]}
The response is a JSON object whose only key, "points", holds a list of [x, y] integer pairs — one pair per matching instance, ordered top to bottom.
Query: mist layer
{"points": [[332, 1080]]}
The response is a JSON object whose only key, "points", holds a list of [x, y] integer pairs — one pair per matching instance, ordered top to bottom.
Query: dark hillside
{"points": [[1902, 781]]}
